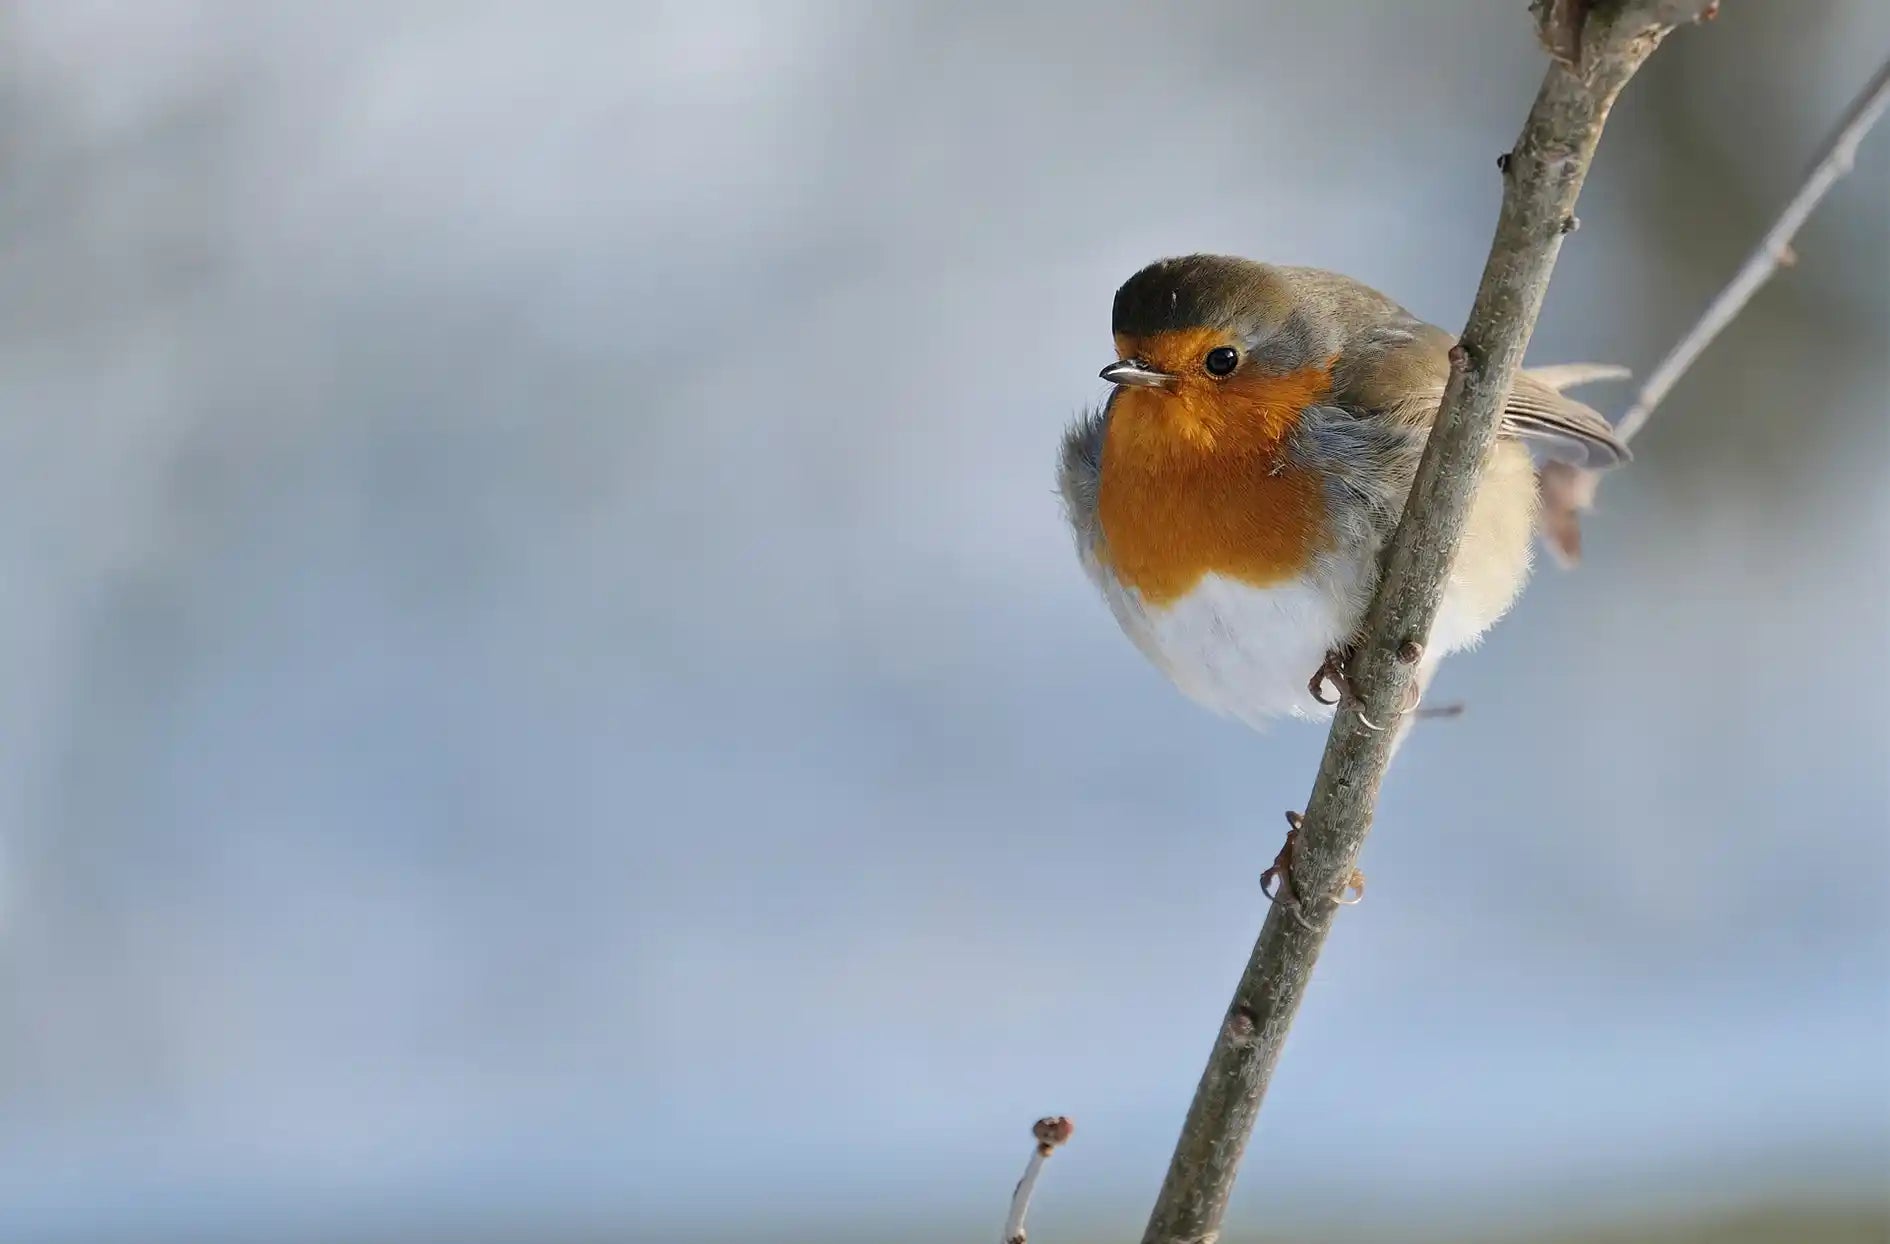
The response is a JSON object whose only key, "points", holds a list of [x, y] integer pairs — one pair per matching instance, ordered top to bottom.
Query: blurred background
{"points": [[547, 696]]}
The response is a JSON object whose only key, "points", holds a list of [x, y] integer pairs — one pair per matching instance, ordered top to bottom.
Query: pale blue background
{"points": [[546, 694]]}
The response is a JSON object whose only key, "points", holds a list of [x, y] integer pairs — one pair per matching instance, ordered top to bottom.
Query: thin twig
{"points": [[1542, 177], [1774, 250], [1568, 491], [1049, 1133]]}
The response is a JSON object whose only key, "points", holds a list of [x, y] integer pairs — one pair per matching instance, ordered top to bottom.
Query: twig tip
{"points": [[1052, 1130], [1049, 1132]]}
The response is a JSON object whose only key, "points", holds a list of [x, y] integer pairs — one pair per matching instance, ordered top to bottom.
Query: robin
{"points": [[1234, 495]]}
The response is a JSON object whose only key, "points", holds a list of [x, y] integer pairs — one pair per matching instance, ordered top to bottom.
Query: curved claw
{"points": [[1331, 672], [1277, 871], [1281, 872], [1354, 887]]}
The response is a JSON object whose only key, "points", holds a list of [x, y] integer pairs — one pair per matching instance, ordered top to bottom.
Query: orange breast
{"points": [[1192, 485]]}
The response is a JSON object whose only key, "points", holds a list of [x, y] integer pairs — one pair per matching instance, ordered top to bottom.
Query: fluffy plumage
{"points": [[1235, 522]]}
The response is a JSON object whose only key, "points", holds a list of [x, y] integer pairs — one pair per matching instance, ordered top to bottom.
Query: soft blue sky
{"points": [[544, 676]]}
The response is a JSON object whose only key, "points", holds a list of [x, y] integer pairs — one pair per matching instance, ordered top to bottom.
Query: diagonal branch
{"points": [[1542, 177], [1773, 252], [1569, 490]]}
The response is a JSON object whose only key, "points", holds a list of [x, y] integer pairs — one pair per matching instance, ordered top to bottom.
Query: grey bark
{"points": [[1595, 46]]}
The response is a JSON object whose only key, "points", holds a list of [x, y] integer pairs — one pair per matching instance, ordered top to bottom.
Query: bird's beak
{"points": [[1133, 372]]}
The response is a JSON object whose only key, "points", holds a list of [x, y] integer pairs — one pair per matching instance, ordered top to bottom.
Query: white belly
{"points": [[1245, 651], [1249, 652]]}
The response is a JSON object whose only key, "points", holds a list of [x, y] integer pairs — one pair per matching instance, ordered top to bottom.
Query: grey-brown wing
{"points": [[1402, 365]]}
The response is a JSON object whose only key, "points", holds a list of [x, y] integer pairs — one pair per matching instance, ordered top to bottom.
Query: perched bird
{"points": [[1234, 495]]}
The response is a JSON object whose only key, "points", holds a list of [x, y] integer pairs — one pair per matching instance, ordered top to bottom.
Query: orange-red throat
{"points": [[1194, 481]]}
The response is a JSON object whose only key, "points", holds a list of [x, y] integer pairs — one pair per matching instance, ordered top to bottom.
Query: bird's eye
{"points": [[1221, 361]]}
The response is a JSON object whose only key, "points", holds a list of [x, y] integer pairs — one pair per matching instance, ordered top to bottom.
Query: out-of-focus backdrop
{"points": [[546, 696]]}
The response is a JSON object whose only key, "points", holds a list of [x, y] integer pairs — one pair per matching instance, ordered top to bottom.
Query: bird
{"points": [[1234, 495]]}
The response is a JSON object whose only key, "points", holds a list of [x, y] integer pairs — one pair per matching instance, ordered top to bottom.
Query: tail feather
{"points": [[1564, 376], [1568, 488]]}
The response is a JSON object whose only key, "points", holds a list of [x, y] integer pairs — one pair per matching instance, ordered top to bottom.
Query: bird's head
{"points": [[1214, 351]]}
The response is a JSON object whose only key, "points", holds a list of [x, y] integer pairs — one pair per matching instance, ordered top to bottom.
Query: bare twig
{"points": [[1542, 178], [1774, 250], [1568, 491], [1049, 1133]]}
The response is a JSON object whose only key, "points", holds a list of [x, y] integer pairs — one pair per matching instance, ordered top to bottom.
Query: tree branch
{"points": [[1595, 46], [1774, 250], [1568, 491]]}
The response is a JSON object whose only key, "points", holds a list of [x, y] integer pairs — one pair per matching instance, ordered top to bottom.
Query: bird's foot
{"points": [[1332, 672], [1277, 882]]}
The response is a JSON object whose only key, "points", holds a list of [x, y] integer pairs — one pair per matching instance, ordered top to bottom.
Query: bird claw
{"points": [[1332, 671], [1281, 872]]}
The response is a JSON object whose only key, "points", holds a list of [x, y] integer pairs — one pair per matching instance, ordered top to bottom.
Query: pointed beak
{"points": [[1133, 372]]}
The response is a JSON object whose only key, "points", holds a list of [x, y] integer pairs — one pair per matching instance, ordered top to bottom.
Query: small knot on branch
{"points": [[1502, 162], [1570, 224]]}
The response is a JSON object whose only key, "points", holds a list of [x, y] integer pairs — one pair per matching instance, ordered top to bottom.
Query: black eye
{"points": [[1221, 361]]}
